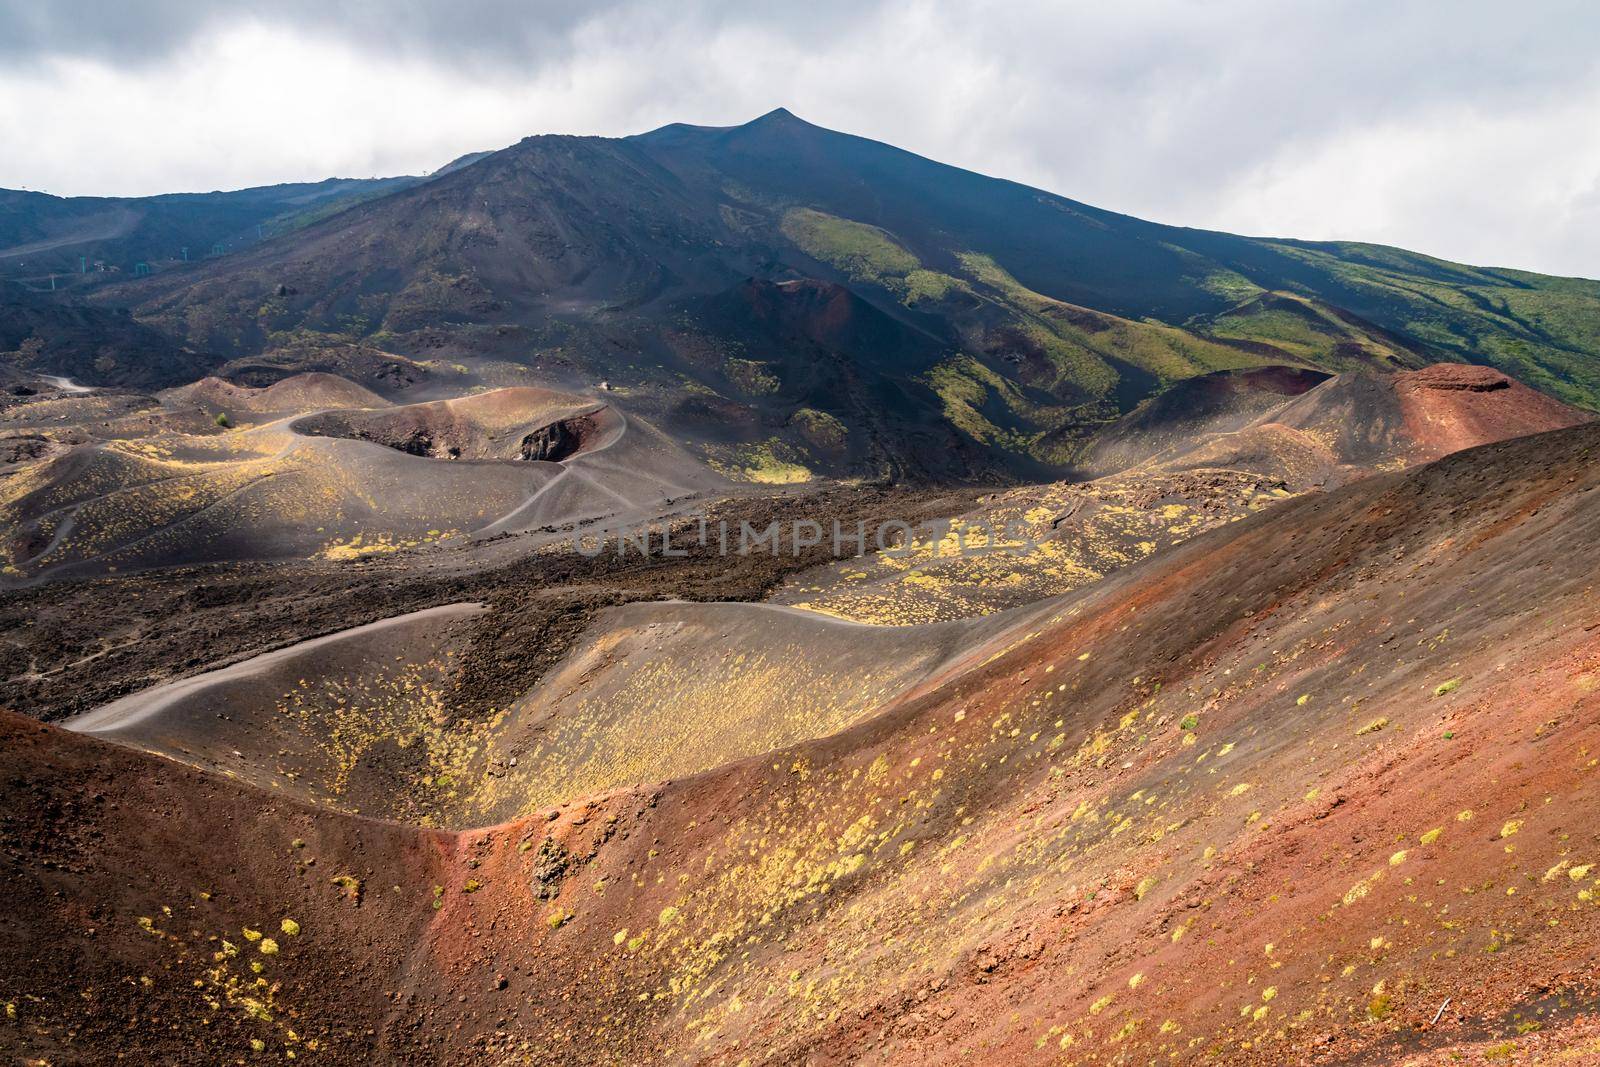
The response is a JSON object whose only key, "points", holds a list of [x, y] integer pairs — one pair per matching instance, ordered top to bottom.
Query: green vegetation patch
{"points": [[864, 252], [868, 254], [929, 286], [1540, 330], [1307, 331], [1085, 345], [751, 376], [993, 410], [820, 429], [764, 465]]}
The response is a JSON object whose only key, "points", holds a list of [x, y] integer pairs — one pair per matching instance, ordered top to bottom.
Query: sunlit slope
{"points": [[291, 395], [1218, 449], [340, 484], [265, 493], [659, 691], [370, 719], [357, 721], [1312, 775], [1293, 784]]}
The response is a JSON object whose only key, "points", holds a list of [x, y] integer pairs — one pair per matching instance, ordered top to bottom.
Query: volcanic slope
{"points": [[42, 234], [737, 271], [1340, 304], [46, 334], [396, 378], [292, 395], [46, 417], [1213, 450], [343, 484], [658, 691], [363, 720], [355, 721], [1309, 775], [1276, 794], [1273, 795]]}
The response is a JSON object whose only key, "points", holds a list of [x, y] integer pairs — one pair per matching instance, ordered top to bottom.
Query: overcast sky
{"points": [[1468, 129]]}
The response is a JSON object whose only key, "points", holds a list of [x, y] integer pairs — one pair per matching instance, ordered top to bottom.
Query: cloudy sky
{"points": [[1469, 129]]}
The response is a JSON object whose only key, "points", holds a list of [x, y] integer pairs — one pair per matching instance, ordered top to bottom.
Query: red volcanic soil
{"points": [[1451, 406], [1330, 431], [1275, 796], [1272, 797], [130, 885]]}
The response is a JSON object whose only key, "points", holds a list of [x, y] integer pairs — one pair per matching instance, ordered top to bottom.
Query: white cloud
{"points": [[249, 105], [1461, 132], [1480, 186]]}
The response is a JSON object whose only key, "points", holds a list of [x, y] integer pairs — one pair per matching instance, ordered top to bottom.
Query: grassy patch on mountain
{"points": [[865, 253], [1229, 284], [929, 286], [1539, 329], [1309, 332], [1085, 342], [751, 376], [993, 410], [820, 429], [764, 464]]}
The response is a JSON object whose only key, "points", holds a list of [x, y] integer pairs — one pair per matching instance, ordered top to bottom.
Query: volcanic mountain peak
{"points": [[778, 114], [777, 118], [597, 259]]}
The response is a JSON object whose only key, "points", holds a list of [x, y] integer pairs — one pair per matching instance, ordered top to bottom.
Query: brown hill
{"points": [[1451, 406], [1357, 421], [342, 484], [1314, 788]]}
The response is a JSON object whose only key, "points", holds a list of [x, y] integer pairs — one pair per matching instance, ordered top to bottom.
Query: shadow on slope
{"points": [[354, 721], [1293, 783]]}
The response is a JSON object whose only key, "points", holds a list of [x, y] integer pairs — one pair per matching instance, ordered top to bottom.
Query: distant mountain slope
{"points": [[42, 234], [1038, 317], [1543, 330], [43, 334]]}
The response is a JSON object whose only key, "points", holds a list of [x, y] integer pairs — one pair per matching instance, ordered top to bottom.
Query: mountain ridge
{"points": [[594, 258]]}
